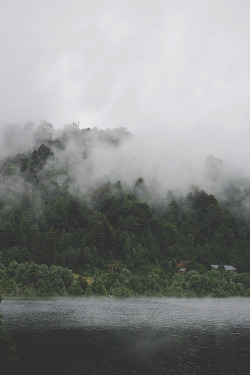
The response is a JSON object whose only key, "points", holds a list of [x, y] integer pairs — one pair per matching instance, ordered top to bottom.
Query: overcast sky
{"points": [[178, 68]]}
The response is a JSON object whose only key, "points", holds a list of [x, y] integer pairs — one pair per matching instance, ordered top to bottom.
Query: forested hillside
{"points": [[54, 210]]}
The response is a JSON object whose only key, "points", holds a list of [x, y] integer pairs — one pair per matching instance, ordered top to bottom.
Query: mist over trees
{"points": [[69, 200]]}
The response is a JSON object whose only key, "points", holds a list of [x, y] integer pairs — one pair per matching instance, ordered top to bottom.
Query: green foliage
{"points": [[39, 157], [48, 228], [30, 279], [41, 280]]}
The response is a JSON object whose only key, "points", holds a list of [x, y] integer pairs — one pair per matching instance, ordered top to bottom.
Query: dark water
{"points": [[129, 336]]}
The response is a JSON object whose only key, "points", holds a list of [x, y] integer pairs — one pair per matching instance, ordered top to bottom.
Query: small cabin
{"points": [[181, 266], [214, 266], [227, 267], [182, 270]]}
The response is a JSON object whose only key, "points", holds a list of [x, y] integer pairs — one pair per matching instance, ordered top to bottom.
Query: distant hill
{"points": [[58, 206]]}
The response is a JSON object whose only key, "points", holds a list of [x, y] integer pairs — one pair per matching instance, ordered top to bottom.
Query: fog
{"points": [[174, 73]]}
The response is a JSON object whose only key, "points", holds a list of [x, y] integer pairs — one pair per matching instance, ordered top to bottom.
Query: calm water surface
{"points": [[129, 336]]}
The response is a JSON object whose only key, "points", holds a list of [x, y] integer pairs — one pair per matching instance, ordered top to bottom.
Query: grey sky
{"points": [[179, 68]]}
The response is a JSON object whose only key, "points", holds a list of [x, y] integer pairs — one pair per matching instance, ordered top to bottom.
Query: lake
{"points": [[150, 336]]}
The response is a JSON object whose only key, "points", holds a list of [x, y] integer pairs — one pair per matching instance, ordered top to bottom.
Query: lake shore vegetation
{"points": [[33, 280]]}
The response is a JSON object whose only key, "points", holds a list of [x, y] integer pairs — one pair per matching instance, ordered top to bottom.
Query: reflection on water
{"points": [[129, 336]]}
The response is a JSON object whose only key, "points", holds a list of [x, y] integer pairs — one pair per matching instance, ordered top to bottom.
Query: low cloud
{"points": [[174, 73]]}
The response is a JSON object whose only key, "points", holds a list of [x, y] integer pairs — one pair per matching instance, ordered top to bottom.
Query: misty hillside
{"points": [[64, 200]]}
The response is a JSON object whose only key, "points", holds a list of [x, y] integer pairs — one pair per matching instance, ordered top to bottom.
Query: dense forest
{"points": [[64, 230]]}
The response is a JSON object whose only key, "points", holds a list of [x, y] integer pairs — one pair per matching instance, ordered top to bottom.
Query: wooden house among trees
{"points": [[181, 267]]}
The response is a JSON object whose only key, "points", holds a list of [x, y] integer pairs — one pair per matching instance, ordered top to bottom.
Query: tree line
{"points": [[45, 222]]}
